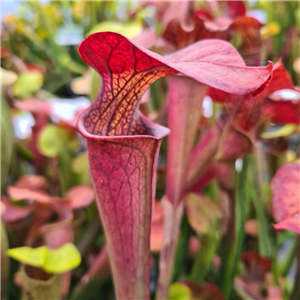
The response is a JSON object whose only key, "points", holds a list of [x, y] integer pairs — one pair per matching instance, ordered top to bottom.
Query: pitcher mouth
{"points": [[154, 131]]}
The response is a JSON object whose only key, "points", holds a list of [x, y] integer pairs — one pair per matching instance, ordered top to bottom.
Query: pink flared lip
{"points": [[159, 131]]}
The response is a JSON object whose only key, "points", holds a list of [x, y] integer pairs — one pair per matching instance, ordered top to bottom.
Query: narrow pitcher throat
{"points": [[150, 131]]}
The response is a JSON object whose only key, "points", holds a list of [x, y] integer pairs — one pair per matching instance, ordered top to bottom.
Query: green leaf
{"points": [[130, 30], [27, 84], [53, 140], [32, 257], [63, 259], [55, 261], [179, 291]]}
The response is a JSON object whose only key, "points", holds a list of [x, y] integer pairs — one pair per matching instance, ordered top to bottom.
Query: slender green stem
{"points": [[23, 152], [240, 218], [209, 243], [264, 243], [182, 248]]}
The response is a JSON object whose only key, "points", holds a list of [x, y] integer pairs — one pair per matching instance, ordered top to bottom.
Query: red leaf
{"points": [[235, 9], [170, 10], [204, 15], [249, 29], [181, 36], [146, 38], [215, 63], [281, 79], [34, 105], [185, 106], [283, 108], [246, 110], [281, 112], [233, 144], [123, 145], [203, 154], [122, 171], [202, 180], [31, 182], [22, 193], [80, 196], [286, 199], [11, 213], [157, 227], [251, 227], [60, 232], [57, 234], [254, 261], [250, 289], [205, 291], [274, 292]]}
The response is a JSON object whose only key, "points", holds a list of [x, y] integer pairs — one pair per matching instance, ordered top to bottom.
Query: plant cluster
{"points": [[188, 153]]}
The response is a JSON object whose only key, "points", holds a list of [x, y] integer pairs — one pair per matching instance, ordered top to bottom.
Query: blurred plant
{"points": [[42, 265]]}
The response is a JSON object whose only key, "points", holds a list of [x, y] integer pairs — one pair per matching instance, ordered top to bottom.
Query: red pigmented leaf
{"points": [[235, 9], [170, 10], [203, 14], [249, 29], [181, 36], [147, 38], [215, 63], [281, 79], [34, 105], [185, 106], [246, 110], [281, 110], [233, 144], [123, 145], [203, 154], [122, 173], [225, 175], [202, 180], [31, 182], [16, 193], [80, 196], [286, 198], [11, 213], [157, 227], [251, 227], [60, 232], [57, 234], [194, 245], [256, 264], [252, 282], [248, 289], [205, 291], [274, 292]]}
